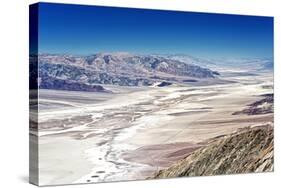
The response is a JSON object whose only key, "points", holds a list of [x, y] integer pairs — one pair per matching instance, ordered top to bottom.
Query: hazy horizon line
{"points": [[146, 53]]}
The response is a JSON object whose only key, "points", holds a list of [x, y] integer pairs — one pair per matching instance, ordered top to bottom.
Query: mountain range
{"points": [[70, 72]]}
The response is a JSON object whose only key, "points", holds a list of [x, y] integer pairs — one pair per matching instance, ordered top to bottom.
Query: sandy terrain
{"points": [[131, 133]]}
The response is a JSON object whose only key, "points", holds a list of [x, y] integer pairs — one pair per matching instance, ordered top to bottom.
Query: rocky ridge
{"points": [[245, 151]]}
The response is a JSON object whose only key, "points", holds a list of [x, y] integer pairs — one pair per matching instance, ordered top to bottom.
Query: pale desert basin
{"points": [[133, 132]]}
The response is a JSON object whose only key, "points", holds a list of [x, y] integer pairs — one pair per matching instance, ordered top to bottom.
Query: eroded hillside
{"points": [[247, 150]]}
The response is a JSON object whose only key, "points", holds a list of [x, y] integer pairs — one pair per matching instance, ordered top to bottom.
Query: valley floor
{"points": [[134, 132]]}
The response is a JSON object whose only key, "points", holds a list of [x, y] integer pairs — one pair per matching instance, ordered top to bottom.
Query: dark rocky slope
{"points": [[60, 84], [263, 106], [247, 150]]}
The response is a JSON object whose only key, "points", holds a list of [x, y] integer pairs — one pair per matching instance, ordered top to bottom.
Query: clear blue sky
{"points": [[75, 29]]}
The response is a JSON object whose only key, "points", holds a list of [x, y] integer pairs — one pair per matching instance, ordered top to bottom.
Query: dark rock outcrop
{"points": [[58, 84], [163, 84], [263, 106]]}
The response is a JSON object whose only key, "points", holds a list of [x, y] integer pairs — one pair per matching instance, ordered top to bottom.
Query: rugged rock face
{"points": [[116, 68], [263, 106], [247, 150]]}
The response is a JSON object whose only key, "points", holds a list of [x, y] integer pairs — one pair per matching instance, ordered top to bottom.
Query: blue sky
{"points": [[75, 29]]}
